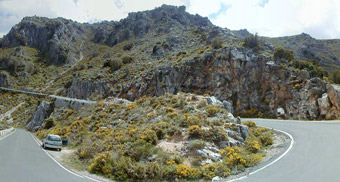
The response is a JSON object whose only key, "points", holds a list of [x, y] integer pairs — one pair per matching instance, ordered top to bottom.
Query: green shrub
{"points": [[251, 41], [282, 53], [126, 59], [114, 64], [311, 66], [335, 76], [251, 113], [189, 120], [49, 123], [215, 134], [150, 136], [266, 139], [196, 145], [252, 145], [140, 150], [252, 159], [215, 169], [168, 173]]}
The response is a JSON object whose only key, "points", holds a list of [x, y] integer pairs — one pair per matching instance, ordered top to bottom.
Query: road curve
{"points": [[315, 155], [22, 159]]}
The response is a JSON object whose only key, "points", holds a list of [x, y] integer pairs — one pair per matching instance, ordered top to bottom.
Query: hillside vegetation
{"points": [[137, 141]]}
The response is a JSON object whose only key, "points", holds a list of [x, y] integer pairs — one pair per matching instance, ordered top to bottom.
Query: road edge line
{"points": [[8, 134], [55, 159], [271, 163]]}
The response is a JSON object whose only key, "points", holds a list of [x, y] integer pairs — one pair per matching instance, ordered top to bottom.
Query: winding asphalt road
{"points": [[314, 157], [23, 160]]}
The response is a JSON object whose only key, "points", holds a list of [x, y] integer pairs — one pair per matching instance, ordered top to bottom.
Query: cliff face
{"points": [[246, 79]]}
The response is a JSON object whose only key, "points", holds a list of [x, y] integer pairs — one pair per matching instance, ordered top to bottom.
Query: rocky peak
{"points": [[137, 24], [53, 37]]}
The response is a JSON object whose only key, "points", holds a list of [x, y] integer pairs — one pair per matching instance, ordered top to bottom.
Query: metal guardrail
{"points": [[23, 92], [4, 132]]}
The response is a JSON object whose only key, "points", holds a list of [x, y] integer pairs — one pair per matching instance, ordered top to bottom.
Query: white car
{"points": [[52, 141]]}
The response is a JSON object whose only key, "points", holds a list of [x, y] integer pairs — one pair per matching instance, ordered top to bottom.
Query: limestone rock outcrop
{"points": [[43, 111]]}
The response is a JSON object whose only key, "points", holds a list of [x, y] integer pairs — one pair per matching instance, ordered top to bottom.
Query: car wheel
{"points": [[43, 146], [59, 150]]}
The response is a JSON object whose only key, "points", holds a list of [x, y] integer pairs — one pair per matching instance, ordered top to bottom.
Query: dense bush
{"points": [[251, 41], [282, 53], [126, 59], [114, 64], [311, 66], [335, 76], [215, 134]]}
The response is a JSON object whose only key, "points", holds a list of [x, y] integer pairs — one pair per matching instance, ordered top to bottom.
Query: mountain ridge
{"points": [[165, 50]]}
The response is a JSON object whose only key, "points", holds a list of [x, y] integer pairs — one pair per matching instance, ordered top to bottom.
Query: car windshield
{"points": [[54, 138]]}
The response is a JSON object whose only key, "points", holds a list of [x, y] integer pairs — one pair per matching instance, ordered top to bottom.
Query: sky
{"points": [[272, 18]]}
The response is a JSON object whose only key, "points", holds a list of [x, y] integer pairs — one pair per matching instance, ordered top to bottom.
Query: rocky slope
{"points": [[167, 50]]}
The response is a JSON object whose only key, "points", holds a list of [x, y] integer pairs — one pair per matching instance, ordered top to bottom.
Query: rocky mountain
{"points": [[305, 47], [167, 50]]}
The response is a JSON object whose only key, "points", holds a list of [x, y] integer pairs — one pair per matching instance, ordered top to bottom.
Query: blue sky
{"points": [[319, 18]]}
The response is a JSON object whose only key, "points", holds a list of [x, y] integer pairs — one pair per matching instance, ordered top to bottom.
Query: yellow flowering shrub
{"points": [[132, 106], [212, 110], [250, 124], [195, 131], [252, 145], [233, 156], [102, 164], [184, 171]]}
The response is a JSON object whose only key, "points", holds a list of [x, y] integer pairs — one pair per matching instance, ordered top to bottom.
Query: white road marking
{"points": [[8, 135], [39, 144], [277, 159], [92, 179]]}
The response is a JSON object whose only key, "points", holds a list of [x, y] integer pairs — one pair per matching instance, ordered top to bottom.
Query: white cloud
{"points": [[321, 19]]}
